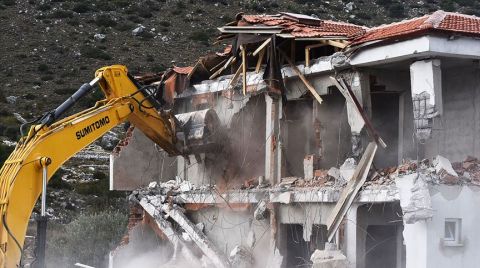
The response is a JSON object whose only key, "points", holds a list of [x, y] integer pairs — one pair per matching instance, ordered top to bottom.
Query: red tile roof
{"points": [[437, 21], [315, 27]]}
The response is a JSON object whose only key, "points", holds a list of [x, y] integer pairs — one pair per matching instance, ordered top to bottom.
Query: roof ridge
{"points": [[435, 18], [399, 22]]}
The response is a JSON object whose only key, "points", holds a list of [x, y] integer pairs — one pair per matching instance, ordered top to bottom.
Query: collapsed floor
{"points": [[298, 141]]}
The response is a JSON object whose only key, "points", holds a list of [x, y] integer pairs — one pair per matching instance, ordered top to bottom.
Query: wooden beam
{"points": [[333, 43], [262, 46], [307, 52], [260, 60], [230, 61], [218, 65], [244, 69], [235, 77], [302, 77], [350, 191]]}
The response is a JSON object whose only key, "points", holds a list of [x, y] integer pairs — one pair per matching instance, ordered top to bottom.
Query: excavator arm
{"points": [[51, 142]]}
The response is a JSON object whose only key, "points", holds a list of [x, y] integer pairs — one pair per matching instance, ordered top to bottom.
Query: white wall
{"points": [[454, 202]]}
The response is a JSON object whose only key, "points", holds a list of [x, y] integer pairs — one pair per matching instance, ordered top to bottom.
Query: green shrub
{"points": [[9, 2], [447, 5], [44, 7], [81, 7], [396, 10], [144, 13], [61, 14], [134, 18], [105, 21], [165, 23], [125, 26], [201, 36], [94, 53], [42, 67], [46, 77], [29, 96], [3, 98], [5, 151], [56, 181], [87, 239]]}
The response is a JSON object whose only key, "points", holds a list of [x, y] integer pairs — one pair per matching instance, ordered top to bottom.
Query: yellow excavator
{"points": [[52, 140]]}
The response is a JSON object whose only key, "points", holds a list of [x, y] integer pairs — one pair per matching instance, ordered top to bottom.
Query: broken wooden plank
{"points": [[334, 43], [262, 46], [260, 60], [230, 61], [215, 68], [244, 69], [235, 77], [302, 77], [350, 96], [350, 191], [199, 238]]}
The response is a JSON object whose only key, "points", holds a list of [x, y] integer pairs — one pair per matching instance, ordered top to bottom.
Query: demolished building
{"points": [[322, 138]]}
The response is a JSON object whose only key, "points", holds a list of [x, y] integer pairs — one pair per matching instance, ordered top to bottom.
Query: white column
{"points": [[426, 89], [273, 156], [351, 236]]}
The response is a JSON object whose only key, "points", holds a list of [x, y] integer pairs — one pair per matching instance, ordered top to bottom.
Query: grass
{"points": [[5, 151]]}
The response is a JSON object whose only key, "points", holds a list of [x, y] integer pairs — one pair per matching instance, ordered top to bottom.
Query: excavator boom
{"points": [[50, 143]]}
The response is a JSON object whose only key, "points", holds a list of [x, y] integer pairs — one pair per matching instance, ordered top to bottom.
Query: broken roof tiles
{"points": [[437, 21], [302, 26]]}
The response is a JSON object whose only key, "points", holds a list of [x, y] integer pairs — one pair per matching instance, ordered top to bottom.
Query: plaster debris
{"points": [[444, 170], [420, 205], [261, 210], [241, 257], [328, 259]]}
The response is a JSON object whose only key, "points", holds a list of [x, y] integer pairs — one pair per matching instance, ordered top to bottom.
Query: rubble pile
{"points": [[438, 170]]}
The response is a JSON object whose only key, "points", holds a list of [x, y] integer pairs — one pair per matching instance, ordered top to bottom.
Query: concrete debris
{"points": [[308, 167], [347, 169], [444, 170], [334, 173], [152, 185], [186, 186], [284, 198], [420, 205], [261, 210], [200, 226], [186, 237], [251, 239], [241, 257], [328, 258], [275, 259]]}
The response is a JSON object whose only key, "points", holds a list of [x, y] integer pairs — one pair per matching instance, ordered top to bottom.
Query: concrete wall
{"points": [[457, 133], [138, 163], [454, 202]]}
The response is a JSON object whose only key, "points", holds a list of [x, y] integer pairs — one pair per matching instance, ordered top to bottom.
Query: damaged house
{"points": [[322, 143]]}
